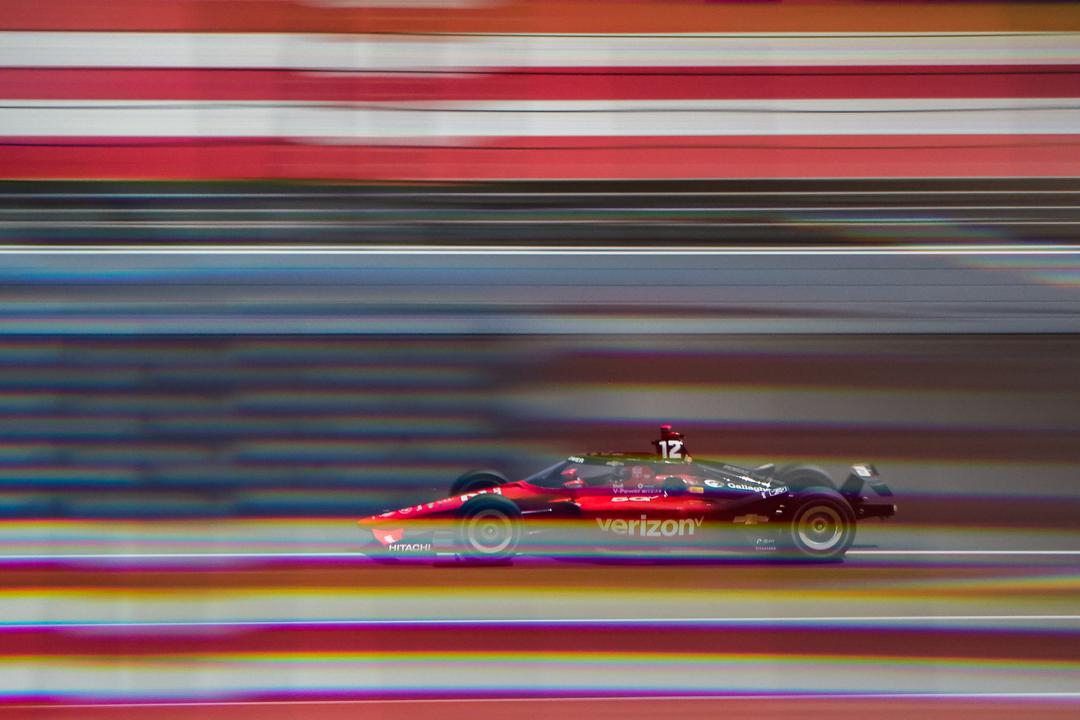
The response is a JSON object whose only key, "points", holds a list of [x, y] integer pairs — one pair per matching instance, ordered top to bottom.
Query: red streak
{"points": [[542, 16], [556, 83], [541, 158], [886, 643], [753, 708]]}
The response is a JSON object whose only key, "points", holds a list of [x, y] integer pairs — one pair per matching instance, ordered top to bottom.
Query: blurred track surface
{"points": [[845, 212], [277, 631]]}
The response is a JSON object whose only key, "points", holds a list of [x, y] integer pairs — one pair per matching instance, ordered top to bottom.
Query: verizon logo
{"points": [[644, 527]]}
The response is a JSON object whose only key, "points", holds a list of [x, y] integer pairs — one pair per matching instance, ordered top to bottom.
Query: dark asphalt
{"points": [[892, 212]]}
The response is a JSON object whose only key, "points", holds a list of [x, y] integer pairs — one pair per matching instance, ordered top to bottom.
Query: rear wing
{"points": [[862, 475]]}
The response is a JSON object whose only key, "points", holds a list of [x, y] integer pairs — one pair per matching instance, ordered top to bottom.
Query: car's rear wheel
{"points": [[801, 477], [822, 526], [490, 529]]}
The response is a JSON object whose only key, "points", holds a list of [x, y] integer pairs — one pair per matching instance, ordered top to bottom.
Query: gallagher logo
{"points": [[644, 527]]}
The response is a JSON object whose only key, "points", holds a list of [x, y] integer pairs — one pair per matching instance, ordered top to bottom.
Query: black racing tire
{"points": [[801, 477], [477, 480], [821, 527], [489, 529]]}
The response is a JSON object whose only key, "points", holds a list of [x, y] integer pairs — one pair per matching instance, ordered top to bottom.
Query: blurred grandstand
{"points": [[477, 90]]}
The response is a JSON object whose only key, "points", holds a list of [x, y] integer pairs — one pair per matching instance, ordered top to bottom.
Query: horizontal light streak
{"points": [[405, 53], [463, 124], [334, 193], [940, 212], [947, 223], [975, 250], [976, 318], [982, 318], [754, 404], [137, 598], [600, 621], [565, 659], [184, 676], [621, 697]]}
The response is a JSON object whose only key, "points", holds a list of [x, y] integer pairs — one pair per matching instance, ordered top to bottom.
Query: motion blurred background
{"points": [[268, 266]]}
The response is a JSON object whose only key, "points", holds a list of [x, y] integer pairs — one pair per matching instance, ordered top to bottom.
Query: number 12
{"points": [[671, 449]]}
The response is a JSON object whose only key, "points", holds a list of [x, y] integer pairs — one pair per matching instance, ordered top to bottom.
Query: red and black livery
{"points": [[662, 503]]}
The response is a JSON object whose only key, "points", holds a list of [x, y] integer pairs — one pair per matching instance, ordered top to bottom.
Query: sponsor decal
{"points": [[576, 459], [863, 471], [763, 483], [740, 486], [763, 487], [696, 489], [639, 490], [488, 491], [764, 492], [635, 498], [439, 503], [751, 519], [646, 527], [388, 537], [764, 544], [409, 547]]}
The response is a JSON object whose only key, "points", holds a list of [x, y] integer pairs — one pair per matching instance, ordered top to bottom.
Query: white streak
{"points": [[453, 52], [462, 123], [56, 709]]}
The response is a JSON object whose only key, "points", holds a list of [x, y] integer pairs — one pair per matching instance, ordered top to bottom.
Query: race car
{"points": [[639, 503]]}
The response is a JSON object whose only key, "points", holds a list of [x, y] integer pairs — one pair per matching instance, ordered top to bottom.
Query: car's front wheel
{"points": [[477, 480], [822, 526], [489, 529]]}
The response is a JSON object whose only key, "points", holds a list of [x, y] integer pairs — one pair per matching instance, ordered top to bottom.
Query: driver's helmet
{"points": [[669, 433], [672, 444], [570, 478]]}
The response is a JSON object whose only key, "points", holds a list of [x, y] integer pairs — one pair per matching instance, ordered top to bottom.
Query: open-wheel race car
{"points": [[639, 503]]}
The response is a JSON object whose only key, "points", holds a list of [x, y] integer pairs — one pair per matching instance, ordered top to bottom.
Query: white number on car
{"points": [[671, 449]]}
